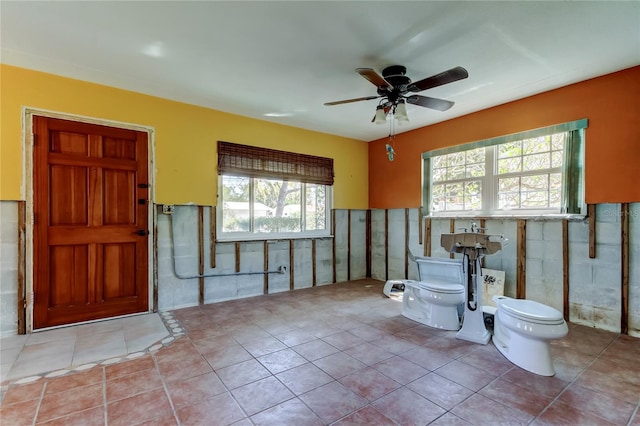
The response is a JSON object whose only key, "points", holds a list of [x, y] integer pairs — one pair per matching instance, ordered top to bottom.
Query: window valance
{"points": [[251, 161]]}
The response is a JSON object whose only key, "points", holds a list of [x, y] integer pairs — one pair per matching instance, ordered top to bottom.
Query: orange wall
{"points": [[611, 103]]}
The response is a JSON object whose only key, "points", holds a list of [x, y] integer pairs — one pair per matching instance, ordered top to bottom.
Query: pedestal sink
{"points": [[457, 243], [473, 246]]}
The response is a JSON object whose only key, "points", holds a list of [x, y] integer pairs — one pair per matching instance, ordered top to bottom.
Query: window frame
{"points": [[256, 163], [572, 175], [465, 180], [251, 235]]}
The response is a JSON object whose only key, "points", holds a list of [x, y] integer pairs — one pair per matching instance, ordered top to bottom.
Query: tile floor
{"points": [[74, 347], [340, 354]]}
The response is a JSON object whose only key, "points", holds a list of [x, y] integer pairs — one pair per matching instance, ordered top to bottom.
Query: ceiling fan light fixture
{"points": [[393, 86], [401, 112], [381, 116]]}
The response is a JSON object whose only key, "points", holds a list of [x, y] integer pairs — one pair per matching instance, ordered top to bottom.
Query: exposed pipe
{"points": [[280, 270]]}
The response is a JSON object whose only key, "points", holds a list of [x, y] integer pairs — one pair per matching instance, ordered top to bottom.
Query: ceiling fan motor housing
{"points": [[394, 70], [395, 75]]}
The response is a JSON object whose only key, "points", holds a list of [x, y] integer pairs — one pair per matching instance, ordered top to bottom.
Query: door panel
{"points": [[69, 143], [118, 148], [119, 197], [68, 204], [89, 260], [119, 270], [69, 275]]}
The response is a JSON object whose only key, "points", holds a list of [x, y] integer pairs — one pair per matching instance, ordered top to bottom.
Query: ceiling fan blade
{"points": [[373, 77], [445, 77], [346, 101], [427, 102]]}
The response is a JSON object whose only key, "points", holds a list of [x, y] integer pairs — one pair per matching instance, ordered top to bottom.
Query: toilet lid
{"points": [[442, 287], [531, 310]]}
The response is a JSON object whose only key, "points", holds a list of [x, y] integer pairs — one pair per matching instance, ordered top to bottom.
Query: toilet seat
{"points": [[443, 287], [529, 310]]}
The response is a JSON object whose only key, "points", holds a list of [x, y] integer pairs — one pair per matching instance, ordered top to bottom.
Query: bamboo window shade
{"points": [[251, 161]]}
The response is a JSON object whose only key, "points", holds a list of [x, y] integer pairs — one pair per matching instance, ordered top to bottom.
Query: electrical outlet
{"points": [[167, 208]]}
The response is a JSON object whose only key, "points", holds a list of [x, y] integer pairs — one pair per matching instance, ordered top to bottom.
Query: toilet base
{"points": [[429, 314], [451, 324], [522, 332], [529, 354]]}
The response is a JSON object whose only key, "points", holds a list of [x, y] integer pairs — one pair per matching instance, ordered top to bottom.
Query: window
{"points": [[530, 173], [457, 180], [269, 194]]}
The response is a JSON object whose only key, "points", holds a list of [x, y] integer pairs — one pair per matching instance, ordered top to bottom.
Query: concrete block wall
{"points": [[341, 227], [415, 242], [351, 245], [397, 245], [358, 246], [378, 255], [505, 260], [324, 261], [544, 262], [302, 264], [8, 268], [594, 284], [174, 293], [595, 296]]}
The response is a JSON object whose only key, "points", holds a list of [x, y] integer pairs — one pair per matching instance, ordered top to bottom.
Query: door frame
{"points": [[27, 192]]}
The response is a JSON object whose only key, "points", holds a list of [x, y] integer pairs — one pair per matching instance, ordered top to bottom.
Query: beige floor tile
{"points": [[357, 361]]}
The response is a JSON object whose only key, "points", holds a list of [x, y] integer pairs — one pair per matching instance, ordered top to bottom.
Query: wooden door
{"points": [[90, 222]]}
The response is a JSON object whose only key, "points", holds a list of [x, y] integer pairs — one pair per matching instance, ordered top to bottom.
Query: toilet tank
{"points": [[440, 270]]}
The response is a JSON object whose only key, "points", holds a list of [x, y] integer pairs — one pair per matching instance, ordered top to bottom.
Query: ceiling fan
{"points": [[395, 88]]}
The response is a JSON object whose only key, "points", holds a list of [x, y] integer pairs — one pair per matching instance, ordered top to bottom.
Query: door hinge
{"points": [[24, 303]]}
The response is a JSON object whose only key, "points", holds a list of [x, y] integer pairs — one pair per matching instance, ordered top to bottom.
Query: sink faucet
{"points": [[474, 228]]}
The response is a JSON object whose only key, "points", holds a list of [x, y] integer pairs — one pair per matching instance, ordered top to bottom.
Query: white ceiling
{"points": [[288, 58]]}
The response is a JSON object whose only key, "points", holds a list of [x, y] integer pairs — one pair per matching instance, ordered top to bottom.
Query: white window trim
{"points": [[490, 180], [269, 236]]}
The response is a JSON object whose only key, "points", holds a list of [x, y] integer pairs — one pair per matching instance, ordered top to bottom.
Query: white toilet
{"points": [[435, 299], [522, 330]]}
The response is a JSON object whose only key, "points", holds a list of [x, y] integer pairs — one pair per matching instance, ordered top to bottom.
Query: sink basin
{"points": [[456, 243]]}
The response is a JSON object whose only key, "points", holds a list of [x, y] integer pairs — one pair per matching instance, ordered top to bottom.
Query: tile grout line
{"points": [[180, 330], [173, 332], [75, 345], [597, 357], [213, 370], [271, 374], [334, 380], [574, 380], [569, 382], [166, 390], [104, 396], [297, 397], [635, 413], [35, 415]]}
